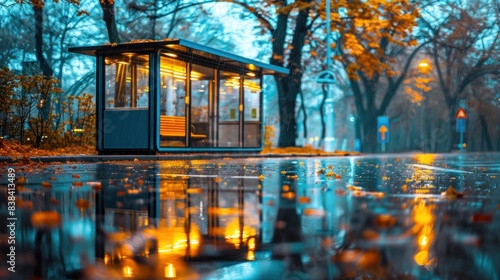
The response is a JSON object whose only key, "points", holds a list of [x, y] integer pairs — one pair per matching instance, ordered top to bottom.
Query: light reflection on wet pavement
{"points": [[383, 217]]}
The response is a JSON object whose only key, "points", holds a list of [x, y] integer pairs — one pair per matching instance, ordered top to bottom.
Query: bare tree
{"points": [[367, 30], [465, 47]]}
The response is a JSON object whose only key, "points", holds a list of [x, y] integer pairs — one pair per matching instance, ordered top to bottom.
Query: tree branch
{"points": [[254, 11], [394, 85]]}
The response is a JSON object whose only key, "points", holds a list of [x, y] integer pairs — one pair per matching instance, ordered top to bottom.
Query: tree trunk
{"points": [[108, 9], [44, 65], [289, 87], [286, 101], [303, 108], [59, 112], [453, 122], [4, 124], [369, 126], [21, 132], [486, 133], [358, 134]]}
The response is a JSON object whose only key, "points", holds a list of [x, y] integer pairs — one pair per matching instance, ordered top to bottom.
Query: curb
{"points": [[161, 157]]}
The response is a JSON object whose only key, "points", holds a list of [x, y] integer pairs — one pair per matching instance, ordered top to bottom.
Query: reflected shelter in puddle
{"points": [[175, 219]]}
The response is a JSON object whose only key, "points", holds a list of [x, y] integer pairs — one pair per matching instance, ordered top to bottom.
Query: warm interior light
{"points": [[171, 54], [178, 72], [235, 83], [234, 236], [251, 243], [128, 271], [170, 271]]}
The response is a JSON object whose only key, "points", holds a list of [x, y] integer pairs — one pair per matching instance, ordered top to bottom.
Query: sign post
{"points": [[461, 125], [383, 131]]}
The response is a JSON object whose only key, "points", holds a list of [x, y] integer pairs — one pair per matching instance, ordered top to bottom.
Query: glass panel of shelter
{"points": [[126, 81], [172, 102], [216, 106], [202, 110], [229, 110], [251, 115]]}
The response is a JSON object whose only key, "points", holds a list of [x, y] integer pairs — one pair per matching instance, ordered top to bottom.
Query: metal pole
{"points": [[328, 31], [329, 135], [461, 141]]}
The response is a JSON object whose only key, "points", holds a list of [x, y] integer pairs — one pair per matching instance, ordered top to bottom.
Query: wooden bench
{"points": [[175, 127]]}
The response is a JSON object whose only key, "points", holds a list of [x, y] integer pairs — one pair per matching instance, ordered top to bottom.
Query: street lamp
{"points": [[424, 68], [327, 77]]}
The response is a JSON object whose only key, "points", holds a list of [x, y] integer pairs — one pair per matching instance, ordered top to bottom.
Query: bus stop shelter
{"points": [[175, 95]]}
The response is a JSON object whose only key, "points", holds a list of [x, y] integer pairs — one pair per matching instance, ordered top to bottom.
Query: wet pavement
{"points": [[420, 216]]}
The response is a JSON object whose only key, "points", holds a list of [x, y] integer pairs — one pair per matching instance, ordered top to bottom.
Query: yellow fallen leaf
{"points": [[452, 193]]}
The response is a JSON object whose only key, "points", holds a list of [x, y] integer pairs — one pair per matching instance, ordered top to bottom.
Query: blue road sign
{"points": [[461, 125], [382, 129], [357, 145]]}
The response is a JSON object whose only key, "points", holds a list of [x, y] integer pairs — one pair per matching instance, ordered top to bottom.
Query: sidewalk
{"points": [[15, 153], [170, 156]]}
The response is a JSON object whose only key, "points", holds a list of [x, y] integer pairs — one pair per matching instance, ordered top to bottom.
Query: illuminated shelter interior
{"points": [[177, 95]]}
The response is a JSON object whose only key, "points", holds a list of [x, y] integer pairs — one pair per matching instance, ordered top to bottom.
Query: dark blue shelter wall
{"points": [[126, 129]]}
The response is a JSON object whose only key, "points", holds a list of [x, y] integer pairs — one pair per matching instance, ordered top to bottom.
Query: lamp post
{"points": [[424, 68], [327, 77]]}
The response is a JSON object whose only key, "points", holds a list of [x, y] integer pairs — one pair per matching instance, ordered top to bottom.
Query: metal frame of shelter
{"points": [[175, 95]]}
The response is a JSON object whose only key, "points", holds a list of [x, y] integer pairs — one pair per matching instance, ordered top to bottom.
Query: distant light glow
{"points": [[423, 64], [423, 241], [422, 257]]}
